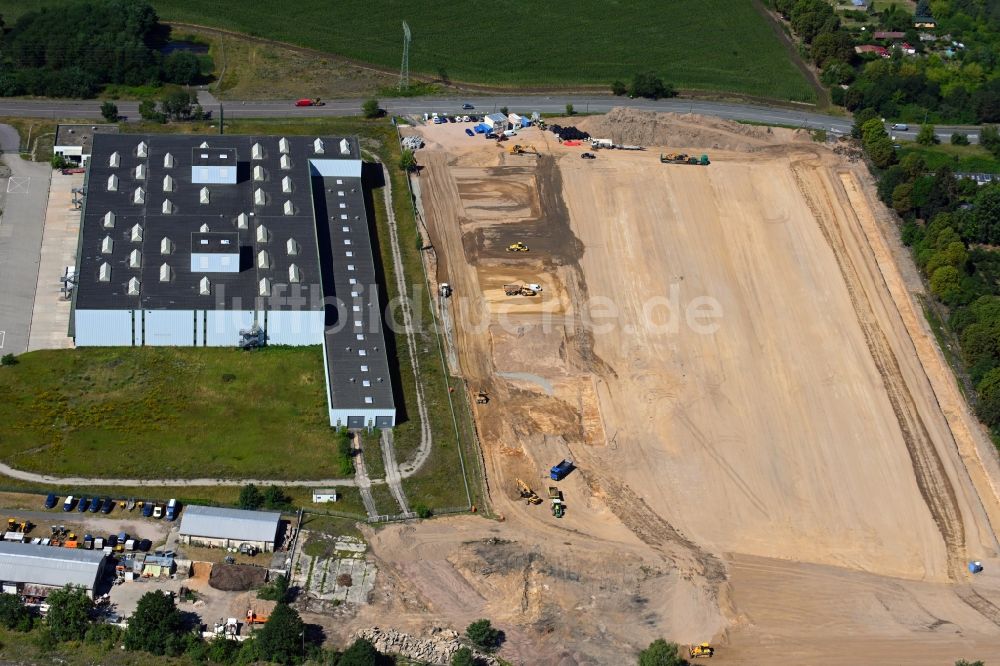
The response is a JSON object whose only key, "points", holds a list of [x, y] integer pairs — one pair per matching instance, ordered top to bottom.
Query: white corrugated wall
{"points": [[223, 327], [295, 327], [105, 328], [169, 328]]}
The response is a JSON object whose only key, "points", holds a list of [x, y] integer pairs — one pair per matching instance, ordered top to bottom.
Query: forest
{"points": [[78, 49]]}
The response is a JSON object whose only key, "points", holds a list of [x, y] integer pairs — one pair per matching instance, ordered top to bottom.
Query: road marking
{"points": [[18, 184], [3, 337]]}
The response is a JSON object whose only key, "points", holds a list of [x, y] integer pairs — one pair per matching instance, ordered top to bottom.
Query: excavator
{"points": [[518, 149], [517, 247], [482, 398], [527, 493], [703, 650]]}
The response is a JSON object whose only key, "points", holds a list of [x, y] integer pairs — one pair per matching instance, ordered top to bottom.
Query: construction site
{"points": [[722, 339]]}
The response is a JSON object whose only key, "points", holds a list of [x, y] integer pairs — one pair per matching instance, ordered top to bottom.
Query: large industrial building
{"points": [[229, 240], [229, 528], [34, 570]]}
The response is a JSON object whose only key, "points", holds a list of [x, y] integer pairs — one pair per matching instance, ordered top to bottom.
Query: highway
{"points": [[487, 104]]}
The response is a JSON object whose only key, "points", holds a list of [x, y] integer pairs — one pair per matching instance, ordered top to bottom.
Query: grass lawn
{"points": [[716, 45], [959, 158], [168, 412]]}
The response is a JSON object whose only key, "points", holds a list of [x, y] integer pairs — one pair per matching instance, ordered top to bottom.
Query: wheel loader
{"points": [[517, 247], [527, 493], [704, 650]]}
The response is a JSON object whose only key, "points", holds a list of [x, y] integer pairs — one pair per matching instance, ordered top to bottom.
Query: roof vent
{"points": [[204, 144], [283, 146], [318, 146], [345, 147], [142, 149], [256, 152], [115, 160], [168, 161], [286, 162], [140, 171], [258, 173], [112, 183], [168, 184], [286, 184], [203, 195], [139, 196], [258, 197], [168, 207], [289, 208], [109, 220], [242, 221], [204, 228], [136, 233], [262, 234], [107, 245], [166, 246], [292, 246], [135, 259], [263, 259], [165, 272], [104, 273], [294, 275], [133, 287], [204, 287], [264, 287]]}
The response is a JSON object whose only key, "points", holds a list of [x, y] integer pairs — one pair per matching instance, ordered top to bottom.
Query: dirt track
{"points": [[757, 414]]}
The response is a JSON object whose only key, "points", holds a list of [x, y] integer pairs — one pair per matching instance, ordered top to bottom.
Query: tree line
{"points": [[77, 48], [963, 87], [952, 226]]}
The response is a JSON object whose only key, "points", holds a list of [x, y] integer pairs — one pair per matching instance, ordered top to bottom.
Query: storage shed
{"points": [[497, 121], [229, 528], [44, 568]]}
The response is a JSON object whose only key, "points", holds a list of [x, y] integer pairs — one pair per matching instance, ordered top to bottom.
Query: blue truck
{"points": [[562, 470]]}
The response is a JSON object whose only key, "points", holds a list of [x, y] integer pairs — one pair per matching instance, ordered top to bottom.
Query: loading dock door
{"points": [[355, 422], [383, 422]]}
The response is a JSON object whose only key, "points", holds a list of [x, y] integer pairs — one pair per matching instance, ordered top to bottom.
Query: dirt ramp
{"points": [[649, 128]]}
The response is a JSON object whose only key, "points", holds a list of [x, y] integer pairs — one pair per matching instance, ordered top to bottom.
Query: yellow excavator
{"points": [[518, 149], [517, 247], [527, 493], [703, 650]]}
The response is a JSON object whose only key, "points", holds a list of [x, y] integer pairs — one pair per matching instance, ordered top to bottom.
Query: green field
{"points": [[714, 45], [960, 158], [168, 413]]}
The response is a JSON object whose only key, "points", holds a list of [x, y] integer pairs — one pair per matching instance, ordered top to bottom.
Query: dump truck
{"points": [[602, 143], [684, 158], [517, 247], [518, 290], [560, 471], [527, 494], [254, 618], [704, 650]]}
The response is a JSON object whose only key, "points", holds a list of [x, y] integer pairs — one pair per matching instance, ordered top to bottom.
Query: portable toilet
{"points": [[975, 567]]}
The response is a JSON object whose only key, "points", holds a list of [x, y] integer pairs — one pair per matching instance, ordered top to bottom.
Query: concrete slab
{"points": [[50, 316]]}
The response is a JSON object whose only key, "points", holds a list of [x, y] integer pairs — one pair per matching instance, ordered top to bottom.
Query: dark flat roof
{"points": [[81, 135], [189, 216]]}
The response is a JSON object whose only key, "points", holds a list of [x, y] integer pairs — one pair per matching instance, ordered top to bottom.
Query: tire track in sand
{"points": [[931, 477]]}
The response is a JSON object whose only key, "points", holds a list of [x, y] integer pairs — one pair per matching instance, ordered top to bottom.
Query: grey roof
{"points": [[81, 135], [343, 209], [233, 291], [238, 524], [47, 565]]}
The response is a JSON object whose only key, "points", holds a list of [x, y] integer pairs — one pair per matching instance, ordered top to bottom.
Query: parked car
{"points": [[310, 102], [467, 107], [437, 120], [469, 132], [490, 135], [589, 156], [50, 501], [68, 504], [84, 504], [96, 504], [109, 505], [172, 507], [147, 509], [158, 511], [144, 545]]}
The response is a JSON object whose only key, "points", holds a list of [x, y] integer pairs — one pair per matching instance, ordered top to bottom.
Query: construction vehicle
{"points": [[518, 149], [684, 158], [517, 247], [518, 290], [482, 398], [559, 472], [527, 494], [130, 505], [558, 507], [11, 524], [253, 618], [702, 650]]}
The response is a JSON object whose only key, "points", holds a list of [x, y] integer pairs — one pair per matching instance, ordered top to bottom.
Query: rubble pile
{"points": [[437, 647]]}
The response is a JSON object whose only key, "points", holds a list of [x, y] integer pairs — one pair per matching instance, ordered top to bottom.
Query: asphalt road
{"points": [[451, 106]]}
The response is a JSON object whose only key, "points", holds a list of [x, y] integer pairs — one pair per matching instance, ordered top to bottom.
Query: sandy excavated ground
{"points": [[772, 453]]}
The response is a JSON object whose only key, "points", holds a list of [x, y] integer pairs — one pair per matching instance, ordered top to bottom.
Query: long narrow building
{"points": [[230, 240]]}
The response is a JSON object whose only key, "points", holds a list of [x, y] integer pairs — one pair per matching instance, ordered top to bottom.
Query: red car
{"points": [[309, 102]]}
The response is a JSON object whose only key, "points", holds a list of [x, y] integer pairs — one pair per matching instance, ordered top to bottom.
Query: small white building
{"points": [[497, 120], [75, 142], [322, 495], [217, 527]]}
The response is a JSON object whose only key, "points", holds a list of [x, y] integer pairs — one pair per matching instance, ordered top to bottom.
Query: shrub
{"points": [[959, 139], [483, 635]]}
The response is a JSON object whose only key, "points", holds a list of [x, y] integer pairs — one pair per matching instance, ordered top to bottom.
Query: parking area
{"points": [[50, 316]]}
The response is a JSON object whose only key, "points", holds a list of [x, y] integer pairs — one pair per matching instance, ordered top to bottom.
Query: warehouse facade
{"points": [[229, 240], [229, 528], [35, 570]]}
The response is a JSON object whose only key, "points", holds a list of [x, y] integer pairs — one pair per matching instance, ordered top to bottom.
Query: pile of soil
{"points": [[683, 130], [201, 570], [237, 577]]}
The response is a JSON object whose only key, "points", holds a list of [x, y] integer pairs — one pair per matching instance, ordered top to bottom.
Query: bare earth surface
{"points": [[772, 453]]}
